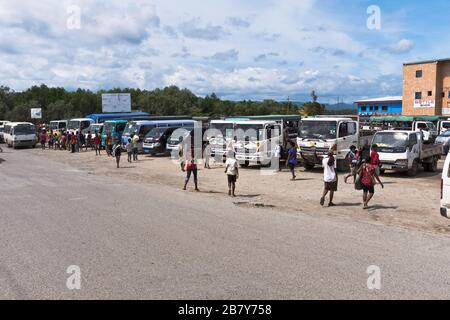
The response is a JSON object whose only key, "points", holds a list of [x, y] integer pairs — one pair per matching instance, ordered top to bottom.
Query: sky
{"points": [[345, 50]]}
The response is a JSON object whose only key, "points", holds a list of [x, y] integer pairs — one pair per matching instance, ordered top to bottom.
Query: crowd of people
{"points": [[364, 164]]}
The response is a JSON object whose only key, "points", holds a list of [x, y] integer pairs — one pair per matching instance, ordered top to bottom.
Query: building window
{"points": [[419, 74], [430, 93], [449, 94], [418, 95], [364, 108], [384, 109]]}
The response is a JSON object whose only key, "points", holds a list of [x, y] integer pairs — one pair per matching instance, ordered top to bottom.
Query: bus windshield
{"points": [[24, 129], [131, 129], [323, 130], [156, 133]]}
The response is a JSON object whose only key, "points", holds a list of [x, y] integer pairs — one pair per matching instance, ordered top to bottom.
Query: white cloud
{"points": [[403, 46]]}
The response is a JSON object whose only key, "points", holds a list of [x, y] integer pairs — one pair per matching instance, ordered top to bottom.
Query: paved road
{"points": [[150, 242]]}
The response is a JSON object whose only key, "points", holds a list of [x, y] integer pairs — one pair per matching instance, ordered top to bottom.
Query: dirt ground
{"points": [[405, 202]]}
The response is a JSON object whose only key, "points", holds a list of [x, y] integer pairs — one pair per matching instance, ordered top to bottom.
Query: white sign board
{"points": [[116, 102], [424, 104], [36, 113]]}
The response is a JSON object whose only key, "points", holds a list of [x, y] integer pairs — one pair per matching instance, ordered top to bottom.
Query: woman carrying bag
{"points": [[366, 180]]}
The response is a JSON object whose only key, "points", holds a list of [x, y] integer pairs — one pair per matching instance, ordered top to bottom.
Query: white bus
{"points": [[58, 125], [75, 125], [20, 134]]}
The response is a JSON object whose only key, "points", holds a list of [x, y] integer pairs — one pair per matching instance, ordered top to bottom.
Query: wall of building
{"points": [[428, 82], [444, 86], [393, 108]]}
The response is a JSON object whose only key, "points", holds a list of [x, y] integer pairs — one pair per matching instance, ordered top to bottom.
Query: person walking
{"points": [[43, 139], [88, 140], [136, 140], [63, 141], [74, 143], [109, 145], [97, 146], [129, 148], [117, 153], [207, 154], [181, 155], [375, 158], [292, 160], [352, 161], [191, 169], [232, 172], [368, 176], [330, 178]]}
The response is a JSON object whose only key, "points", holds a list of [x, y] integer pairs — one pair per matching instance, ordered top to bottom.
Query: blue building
{"points": [[387, 106]]}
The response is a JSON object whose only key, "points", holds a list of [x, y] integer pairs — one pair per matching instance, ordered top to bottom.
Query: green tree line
{"points": [[58, 103]]}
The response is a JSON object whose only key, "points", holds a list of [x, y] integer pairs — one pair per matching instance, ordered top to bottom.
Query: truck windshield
{"points": [[24, 129], [226, 130], [323, 130], [252, 132], [391, 141]]}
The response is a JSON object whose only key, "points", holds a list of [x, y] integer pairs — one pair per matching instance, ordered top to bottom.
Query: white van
{"points": [[20, 134]]}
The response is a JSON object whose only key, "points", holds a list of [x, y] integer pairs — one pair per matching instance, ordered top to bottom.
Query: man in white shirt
{"points": [[232, 172], [330, 178]]}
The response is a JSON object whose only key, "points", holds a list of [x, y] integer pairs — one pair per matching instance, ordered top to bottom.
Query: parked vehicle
{"points": [[130, 116], [3, 122], [79, 124], [424, 124], [443, 125], [58, 126], [95, 128], [115, 128], [142, 128], [2, 129], [20, 134], [194, 134], [219, 135], [318, 136], [257, 140], [444, 140], [155, 142], [405, 151], [445, 189]]}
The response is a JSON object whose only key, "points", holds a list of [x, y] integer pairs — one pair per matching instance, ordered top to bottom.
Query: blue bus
{"points": [[102, 117], [142, 128]]}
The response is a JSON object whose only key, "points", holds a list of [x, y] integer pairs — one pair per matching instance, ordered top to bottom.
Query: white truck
{"points": [[443, 125], [320, 135], [256, 141], [405, 151], [445, 189]]}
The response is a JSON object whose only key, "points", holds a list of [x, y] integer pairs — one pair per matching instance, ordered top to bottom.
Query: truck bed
{"points": [[430, 150]]}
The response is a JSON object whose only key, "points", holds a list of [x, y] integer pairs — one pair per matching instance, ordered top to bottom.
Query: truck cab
{"points": [[443, 125], [428, 129], [317, 136], [256, 141], [405, 151]]}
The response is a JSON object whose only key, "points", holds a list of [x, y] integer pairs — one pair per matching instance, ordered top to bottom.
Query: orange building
{"points": [[426, 88]]}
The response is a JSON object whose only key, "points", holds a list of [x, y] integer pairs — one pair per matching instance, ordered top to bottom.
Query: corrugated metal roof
{"points": [[382, 99]]}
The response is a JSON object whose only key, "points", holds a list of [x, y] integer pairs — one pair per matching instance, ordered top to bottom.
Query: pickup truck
{"points": [[405, 151]]}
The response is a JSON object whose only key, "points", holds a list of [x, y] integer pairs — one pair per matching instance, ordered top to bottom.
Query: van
{"points": [[20, 134]]}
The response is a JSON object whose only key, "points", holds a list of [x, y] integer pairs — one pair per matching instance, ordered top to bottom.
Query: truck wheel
{"points": [[309, 166], [433, 166], [412, 172]]}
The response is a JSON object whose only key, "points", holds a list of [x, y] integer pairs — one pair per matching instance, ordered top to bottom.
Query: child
{"points": [[97, 145], [129, 148], [117, 153]]}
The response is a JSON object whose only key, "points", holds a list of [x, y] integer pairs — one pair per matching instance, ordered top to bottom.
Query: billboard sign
{"points": [[116, 102], [424, 104], [36, 113]]}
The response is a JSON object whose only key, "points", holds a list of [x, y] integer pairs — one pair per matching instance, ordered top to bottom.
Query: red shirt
{"points": [[96, 140], [375, 158], [367, 175]]}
